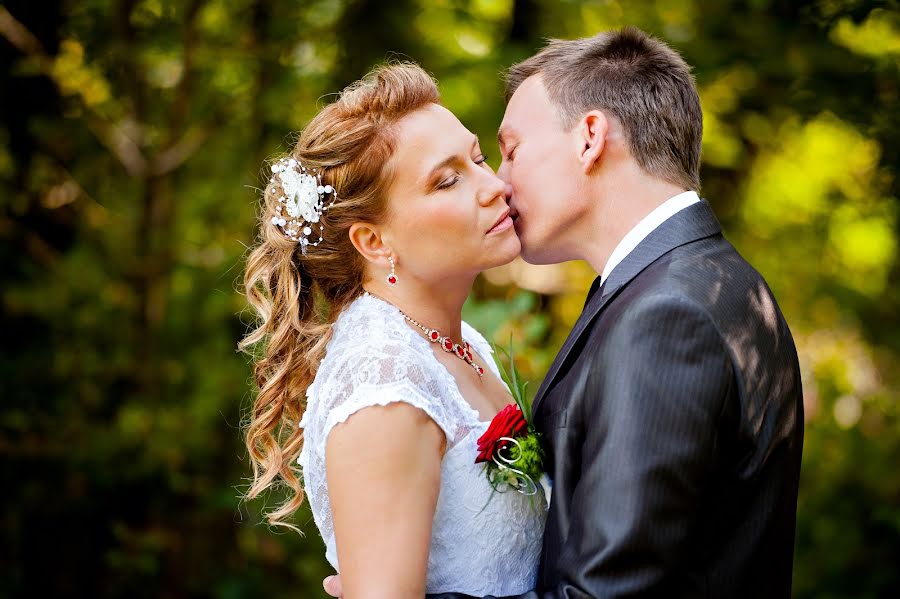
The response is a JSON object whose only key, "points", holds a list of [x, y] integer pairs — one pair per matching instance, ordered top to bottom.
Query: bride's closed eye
{"points": [[451, 181]]}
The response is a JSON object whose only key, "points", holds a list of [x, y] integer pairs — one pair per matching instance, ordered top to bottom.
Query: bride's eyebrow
{"points": [[448, 161]]}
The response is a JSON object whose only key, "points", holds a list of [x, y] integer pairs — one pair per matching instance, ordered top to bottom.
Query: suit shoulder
{"points": [[710, 272], [655, 307]]}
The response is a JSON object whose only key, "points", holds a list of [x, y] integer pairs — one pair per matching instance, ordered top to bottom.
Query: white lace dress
{"points": [[480, 545]]}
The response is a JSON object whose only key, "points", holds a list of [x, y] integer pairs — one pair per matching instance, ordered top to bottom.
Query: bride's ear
{"points": [[592, 131], [368, 241]]}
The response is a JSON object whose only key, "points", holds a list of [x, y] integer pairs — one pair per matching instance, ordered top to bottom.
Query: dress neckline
{"points": [[426, 348]]}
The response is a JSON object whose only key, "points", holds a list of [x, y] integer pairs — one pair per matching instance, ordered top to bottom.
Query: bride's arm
{"points": [[383, 469]]}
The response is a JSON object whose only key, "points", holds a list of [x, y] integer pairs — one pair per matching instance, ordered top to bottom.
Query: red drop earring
{"points": [[392, 276]]}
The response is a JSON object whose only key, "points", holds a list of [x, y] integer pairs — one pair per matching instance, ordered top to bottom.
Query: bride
{"points": [[372, 232]]}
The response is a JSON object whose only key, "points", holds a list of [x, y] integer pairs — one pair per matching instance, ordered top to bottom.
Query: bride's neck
{"points": [[433, 305]]}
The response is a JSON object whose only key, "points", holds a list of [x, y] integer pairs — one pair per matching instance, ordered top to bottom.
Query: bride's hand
{"points": [[332, 586]]}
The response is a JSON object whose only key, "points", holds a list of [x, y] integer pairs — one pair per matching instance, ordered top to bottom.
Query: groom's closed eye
{"points": [[508, 142]]}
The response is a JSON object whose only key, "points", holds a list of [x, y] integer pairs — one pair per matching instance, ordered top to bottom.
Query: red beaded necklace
{"points": [[462, 351]]}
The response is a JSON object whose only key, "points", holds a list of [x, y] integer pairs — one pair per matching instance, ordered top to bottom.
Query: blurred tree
{"points": [[132, 135]]}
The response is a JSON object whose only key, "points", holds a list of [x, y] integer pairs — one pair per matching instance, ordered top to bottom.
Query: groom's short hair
{"points": [[638, 79]]}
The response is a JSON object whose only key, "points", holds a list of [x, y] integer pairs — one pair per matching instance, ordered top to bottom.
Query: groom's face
{"points": [[542, 174]]}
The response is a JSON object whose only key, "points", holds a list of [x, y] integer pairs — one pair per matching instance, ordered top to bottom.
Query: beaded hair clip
{"points": [[301, 203]]}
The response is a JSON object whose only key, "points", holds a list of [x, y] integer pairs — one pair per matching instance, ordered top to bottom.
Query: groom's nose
{"points": [[507, 191]]}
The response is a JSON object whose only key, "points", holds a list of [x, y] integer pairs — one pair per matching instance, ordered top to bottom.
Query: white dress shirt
{"points": [[648, 224]]}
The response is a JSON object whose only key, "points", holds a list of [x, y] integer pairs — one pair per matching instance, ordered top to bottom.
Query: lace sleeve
{"points": [[391, 373]]}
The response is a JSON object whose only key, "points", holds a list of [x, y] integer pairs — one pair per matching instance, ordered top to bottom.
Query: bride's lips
{"points": [[503, 223]]}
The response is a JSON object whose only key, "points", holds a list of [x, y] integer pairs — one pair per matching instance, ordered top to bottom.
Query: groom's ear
{"points": [[592, 131], [368, 239]]}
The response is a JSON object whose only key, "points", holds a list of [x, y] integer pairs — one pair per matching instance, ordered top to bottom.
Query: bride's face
{"points": [[447, 212]]}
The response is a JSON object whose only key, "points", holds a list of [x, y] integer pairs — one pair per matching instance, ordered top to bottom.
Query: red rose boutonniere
{"points": [[509, 422], [510, 448]]}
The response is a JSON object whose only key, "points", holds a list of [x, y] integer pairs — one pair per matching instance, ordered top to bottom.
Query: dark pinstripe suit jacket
{"points": [[673, 420]]}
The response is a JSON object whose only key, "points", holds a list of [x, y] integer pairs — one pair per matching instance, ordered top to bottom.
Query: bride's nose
{"points": [[491, 188]]}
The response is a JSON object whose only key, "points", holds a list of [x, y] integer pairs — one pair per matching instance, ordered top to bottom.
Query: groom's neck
{"points": [[622, 201]]}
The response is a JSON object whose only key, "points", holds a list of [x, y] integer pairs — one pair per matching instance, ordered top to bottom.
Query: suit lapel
{"points": [[694, 222]]}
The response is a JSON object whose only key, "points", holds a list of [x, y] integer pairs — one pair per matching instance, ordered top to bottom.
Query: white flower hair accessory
{"points": [[301, 203]]}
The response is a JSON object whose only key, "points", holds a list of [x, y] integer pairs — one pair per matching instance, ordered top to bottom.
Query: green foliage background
{"points": [[131, 145]]}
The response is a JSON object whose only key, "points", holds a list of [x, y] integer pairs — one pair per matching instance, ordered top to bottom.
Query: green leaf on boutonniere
{"points": [[517, 386], [512, 455]]}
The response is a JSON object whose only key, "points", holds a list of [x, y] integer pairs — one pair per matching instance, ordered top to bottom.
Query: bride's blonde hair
{"points": [[297, 297]]}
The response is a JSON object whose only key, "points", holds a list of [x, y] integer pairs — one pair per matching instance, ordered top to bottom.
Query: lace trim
{"points": [[423, 348], [366, 396]]}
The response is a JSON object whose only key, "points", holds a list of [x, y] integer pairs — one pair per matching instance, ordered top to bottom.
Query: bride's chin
{"points": [[508, 251]]}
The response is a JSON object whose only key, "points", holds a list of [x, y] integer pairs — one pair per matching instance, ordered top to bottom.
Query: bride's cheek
{"points": [[449, 216]]}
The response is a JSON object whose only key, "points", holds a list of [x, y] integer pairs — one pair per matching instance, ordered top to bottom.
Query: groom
{"points": [[673, 415]]}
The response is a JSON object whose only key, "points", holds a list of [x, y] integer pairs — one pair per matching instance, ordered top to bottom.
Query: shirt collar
{"points": [[646, 226]]}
